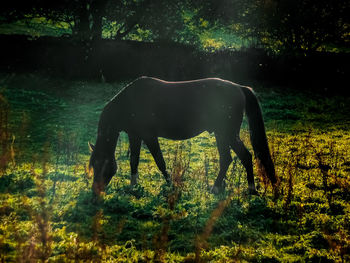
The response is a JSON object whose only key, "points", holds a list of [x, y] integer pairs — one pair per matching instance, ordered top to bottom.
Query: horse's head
{"points": [[104, 168]]}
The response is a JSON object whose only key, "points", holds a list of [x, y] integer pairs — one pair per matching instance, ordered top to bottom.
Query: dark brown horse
{"points": [[149, 108]]}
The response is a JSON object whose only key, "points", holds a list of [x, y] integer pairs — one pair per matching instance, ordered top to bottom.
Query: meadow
{"points": [[48, 212]]}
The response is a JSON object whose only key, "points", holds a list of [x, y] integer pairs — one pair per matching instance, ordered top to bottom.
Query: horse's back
{"points": [[153, 89], [180, 109]]}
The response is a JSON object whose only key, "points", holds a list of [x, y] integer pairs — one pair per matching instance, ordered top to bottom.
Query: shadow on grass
{"points": [[15, 183], [131, 213], [122, 214]]}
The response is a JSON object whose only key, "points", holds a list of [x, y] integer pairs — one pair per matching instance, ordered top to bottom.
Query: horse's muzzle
{"points": [[98, 188]]}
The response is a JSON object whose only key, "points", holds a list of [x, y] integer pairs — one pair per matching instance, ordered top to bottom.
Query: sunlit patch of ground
{"points": [[47, 210]]}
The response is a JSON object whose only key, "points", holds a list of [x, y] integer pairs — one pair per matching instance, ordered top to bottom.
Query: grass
{"points": [[36, 27], [47, 212]]}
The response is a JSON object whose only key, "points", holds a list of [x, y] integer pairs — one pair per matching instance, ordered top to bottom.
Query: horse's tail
{"points": [[258, 134]]}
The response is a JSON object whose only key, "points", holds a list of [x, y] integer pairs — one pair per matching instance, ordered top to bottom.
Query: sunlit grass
{"points": [[36, 27], [47, 209]]}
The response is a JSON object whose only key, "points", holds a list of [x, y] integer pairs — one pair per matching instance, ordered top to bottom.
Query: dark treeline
{"points": [[287, 25], [290, 41], [116, 60]]}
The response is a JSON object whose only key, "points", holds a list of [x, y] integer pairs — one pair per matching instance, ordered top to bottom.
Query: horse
{"points": [[149, 108]]}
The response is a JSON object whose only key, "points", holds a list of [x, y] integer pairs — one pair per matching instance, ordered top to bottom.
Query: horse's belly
{"points": [[172, 123], [181, 126], [171, 128], [178, 133]]}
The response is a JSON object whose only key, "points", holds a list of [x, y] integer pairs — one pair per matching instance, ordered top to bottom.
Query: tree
{"points": [[88, 17], [280, 25], [283, 25], [307, 25]]}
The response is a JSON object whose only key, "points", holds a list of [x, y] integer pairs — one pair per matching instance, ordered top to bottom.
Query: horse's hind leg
{"points": [[223, 145], [135, 146], [153, 147], [246, 158]]}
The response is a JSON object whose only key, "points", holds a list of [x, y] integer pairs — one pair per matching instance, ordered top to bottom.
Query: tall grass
{"points": [[7, 153], [48, 213]]}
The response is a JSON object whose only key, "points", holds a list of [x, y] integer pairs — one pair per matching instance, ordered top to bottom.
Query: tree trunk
{"points": [[97, 11], [82, 23], [88, 25], [88, 33]]}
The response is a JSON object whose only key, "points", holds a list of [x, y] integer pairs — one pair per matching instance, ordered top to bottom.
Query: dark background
{"points": [[303, 44]]}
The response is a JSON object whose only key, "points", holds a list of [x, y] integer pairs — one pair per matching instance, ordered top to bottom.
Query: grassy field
{"points": [[47, 211]]}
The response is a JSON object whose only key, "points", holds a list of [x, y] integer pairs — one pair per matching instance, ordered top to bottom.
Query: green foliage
{"points": [[291, 27], [35, 28], [48, 212]]}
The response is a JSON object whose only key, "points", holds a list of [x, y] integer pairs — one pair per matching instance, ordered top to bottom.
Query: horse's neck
{"points": [[107, 138]]}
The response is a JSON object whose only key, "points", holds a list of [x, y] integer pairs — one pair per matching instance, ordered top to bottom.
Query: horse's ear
{"points": [[91, 146]]}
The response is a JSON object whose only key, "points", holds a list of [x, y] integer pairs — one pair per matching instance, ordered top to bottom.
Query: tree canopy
{"points": [[279, 25]]}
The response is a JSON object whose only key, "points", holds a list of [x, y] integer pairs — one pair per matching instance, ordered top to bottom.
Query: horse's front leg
{"points": [[135, 146], [153, 146]]}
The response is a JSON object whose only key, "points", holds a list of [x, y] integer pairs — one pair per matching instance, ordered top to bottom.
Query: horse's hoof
{"points": [[134, 179], [168, 181], [216, 190], [253, 192], [276, 194]]}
